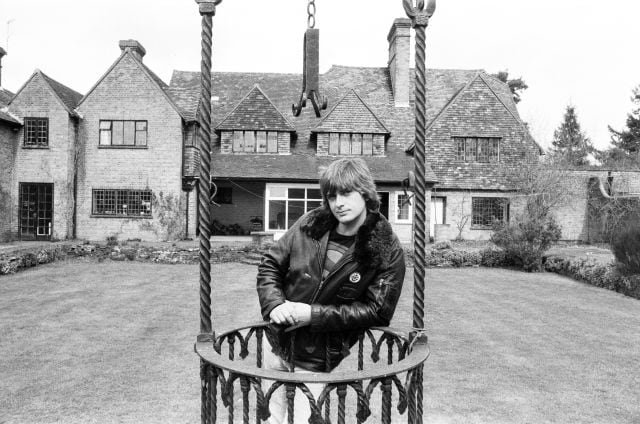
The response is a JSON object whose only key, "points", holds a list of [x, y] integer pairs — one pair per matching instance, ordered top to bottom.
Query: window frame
{"points": [[35, 120], [251, 144], [351, 144], [122, 145], [478, 149], [117, 195], [268, 197], [409, 218], [485, 224]]}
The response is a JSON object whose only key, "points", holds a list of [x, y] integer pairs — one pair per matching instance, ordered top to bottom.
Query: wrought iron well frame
{"points": [[411, 349]]}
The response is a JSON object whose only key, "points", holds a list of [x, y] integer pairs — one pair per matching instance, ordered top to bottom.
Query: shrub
{"points": [[526, 239], [112, 240], [625, 246], [492, 257], [29, 260], [606, 276]]}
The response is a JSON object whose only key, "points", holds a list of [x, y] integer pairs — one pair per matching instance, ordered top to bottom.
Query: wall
{"points": [[127, 93], [8, 143], [46, 165], [458, 207], [573, 215]]}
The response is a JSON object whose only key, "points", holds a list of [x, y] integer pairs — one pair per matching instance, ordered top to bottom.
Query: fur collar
{"points": [[374, 239]]}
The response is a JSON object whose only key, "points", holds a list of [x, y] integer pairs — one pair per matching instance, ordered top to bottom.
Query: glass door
{"points": [[36, 211]]}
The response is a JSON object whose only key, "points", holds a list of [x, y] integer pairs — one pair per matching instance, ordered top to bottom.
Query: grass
{"points": [[85, 342]]}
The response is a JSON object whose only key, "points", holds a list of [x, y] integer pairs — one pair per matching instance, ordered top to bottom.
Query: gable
{"points": [[128, 79], [39, 85], [36, 98], [477, 109], [255, 112], [477, 112], [351, 115]]}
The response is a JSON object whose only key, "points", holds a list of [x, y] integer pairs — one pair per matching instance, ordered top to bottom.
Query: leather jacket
{"points": [[361, 291]]}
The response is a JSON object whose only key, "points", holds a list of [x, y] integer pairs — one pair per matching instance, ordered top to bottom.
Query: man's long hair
{"points": [[349, 174]]}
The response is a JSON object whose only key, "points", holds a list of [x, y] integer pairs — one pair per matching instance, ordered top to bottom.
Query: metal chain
{"points": [[311, 14]]}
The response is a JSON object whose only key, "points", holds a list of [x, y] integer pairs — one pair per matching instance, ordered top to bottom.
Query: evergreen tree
{"points": [[516, 85], [628, 139], [570, 144]]}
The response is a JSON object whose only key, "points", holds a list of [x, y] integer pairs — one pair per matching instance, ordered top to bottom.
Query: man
{"points": [[337, 271]]}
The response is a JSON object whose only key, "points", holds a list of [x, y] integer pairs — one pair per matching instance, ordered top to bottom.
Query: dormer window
{"points": [[255, 126], [351, 128], [255, 141], [345, 144]]}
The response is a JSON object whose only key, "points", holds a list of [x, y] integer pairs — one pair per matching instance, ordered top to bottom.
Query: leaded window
{"points": [[36, 132], [255, 142], [346, 144], [477, 149], [122, 203], [487, 210]]}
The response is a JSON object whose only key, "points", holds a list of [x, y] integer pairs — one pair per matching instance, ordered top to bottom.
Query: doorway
{"points": [[36, 211]]}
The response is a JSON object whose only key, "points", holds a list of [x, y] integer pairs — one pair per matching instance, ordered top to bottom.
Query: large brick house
{"points": [[129, 159], [265, 162], [42, 180]]}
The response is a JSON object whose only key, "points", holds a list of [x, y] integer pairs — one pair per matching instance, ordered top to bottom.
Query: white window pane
{"points": [[105, 137], [278, 192]]}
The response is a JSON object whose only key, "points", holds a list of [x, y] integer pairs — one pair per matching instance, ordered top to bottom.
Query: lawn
{"points": [[85, 342]]}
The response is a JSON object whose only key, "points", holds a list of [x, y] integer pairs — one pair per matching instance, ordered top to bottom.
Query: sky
{"points": [[569, 52]]}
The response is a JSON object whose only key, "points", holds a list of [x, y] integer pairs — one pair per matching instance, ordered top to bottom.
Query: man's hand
{"points": [[291, 313]]}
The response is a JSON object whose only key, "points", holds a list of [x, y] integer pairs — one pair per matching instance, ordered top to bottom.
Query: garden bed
{"points": [[590, 264]]}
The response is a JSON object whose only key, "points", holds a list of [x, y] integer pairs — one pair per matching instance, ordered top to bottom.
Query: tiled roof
{"points": [[153, 76], [371, 85], [5, 96], [68, 96], [255, 112], [351, 115], [6, 116], [303, 167]]}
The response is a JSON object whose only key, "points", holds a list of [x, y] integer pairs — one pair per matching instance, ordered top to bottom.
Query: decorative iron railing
{"points": [[387, 360]]}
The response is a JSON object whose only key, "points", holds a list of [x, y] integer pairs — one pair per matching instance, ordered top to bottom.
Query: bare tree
{"points": [[462, 219]]}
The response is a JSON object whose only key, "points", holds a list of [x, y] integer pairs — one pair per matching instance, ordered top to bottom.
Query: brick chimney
{"points": [[399, 44], [134, 47], [3, 52]]}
